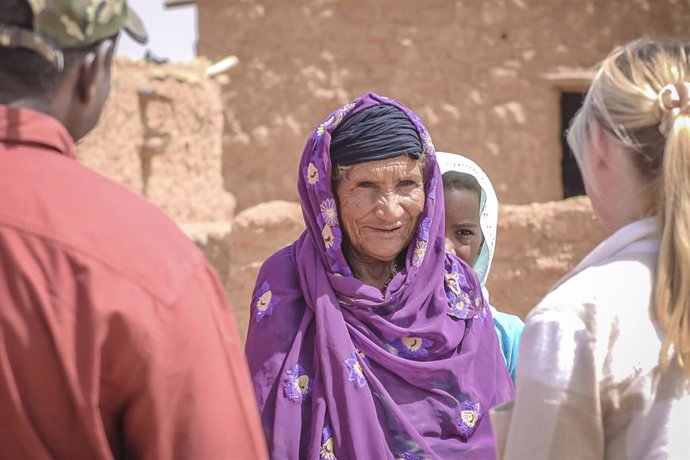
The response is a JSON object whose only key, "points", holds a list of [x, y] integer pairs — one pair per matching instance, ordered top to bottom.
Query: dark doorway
{"points": [[572, 179]]}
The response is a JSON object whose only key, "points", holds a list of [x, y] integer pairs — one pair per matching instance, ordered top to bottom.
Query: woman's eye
{"points": [[408, 183], [365, 184], [464, 233]]}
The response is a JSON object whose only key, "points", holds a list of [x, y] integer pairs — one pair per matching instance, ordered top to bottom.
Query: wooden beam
{"points": [[176, 3], [570, 80]]}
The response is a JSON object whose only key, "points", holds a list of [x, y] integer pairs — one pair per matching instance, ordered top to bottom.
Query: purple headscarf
{"points": [[343, 371]]}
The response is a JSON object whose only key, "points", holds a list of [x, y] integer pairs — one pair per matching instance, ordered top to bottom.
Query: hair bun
{"points": [[672, 101]]}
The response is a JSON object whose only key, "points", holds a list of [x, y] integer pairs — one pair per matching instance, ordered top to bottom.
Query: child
{"points": [[471, 224]]}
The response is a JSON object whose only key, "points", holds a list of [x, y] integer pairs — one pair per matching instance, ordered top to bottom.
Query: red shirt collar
{"points": [[26, 126]]}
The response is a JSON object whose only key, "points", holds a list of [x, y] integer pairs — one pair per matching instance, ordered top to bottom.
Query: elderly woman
{"points": [[367, 339]]}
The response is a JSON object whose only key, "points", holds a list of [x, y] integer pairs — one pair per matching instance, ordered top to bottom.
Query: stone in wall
{"points": [[257, 233], [536, 245]]}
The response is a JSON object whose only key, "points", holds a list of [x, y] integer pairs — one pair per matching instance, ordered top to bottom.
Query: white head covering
{"points": [[488, 207]]}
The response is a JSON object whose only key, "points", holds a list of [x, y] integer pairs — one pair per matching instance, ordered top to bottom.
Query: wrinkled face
{"points": [[379, 205], [462, 223]]}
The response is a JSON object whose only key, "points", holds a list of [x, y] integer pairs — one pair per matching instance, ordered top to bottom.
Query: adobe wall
{"points": [[475, 71]]}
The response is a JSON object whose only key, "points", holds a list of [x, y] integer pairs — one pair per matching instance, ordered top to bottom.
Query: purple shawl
{"points": [[342, 371]]}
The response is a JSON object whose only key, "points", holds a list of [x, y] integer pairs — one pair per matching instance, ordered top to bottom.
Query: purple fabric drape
{"points": [[343, 371]]}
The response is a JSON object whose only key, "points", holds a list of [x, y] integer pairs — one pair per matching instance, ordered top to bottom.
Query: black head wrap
{"points": [[376, 133]]}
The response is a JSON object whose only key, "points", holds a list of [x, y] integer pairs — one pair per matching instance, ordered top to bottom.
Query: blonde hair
{"points": [[640, 96]]}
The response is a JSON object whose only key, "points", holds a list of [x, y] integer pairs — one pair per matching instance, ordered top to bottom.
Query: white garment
{"points": [[588, 383]]}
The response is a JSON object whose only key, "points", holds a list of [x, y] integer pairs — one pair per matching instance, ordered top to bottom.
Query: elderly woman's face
{"points": [[380, 203]]}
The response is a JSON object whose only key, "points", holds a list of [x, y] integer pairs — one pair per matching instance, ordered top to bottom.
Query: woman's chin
{"points": [[383, 252]]}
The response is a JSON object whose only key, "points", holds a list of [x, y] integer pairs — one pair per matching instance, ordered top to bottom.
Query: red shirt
{"points": [[115, 338]]}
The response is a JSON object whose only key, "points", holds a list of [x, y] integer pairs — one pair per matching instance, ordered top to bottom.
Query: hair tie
{"points": [[672, 101]]}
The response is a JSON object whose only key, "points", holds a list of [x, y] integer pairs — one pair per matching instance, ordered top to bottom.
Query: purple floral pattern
{"points": [[427, 143], [314, 176], [329, 212], [424, 227], [419, 253], [455, 281], [265, 301], [459, 306], [413, 347], [356, 374], [299, 385], [470, 415], [327, 451], [408, 455]]}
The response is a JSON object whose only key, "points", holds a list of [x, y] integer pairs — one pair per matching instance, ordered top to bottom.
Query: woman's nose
{"points": [[389, 206]]}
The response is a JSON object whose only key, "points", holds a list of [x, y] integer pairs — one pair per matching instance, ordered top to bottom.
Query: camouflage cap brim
{"points": [[134, 27]]}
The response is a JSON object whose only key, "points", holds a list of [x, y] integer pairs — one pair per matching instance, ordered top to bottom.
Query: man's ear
{"points": [[92, 67]]}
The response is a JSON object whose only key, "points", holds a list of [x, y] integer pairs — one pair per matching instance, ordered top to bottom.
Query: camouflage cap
{"points": [[64, 24]]}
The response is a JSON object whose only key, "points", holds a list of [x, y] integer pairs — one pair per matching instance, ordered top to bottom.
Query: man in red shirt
{"points": [[115, 339]]}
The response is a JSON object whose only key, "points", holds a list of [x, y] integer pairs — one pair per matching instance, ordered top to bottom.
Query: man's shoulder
{"points": [[54, 199]]}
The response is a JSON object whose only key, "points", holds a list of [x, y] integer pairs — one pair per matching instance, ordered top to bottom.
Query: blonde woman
{"points": [[605, 365]]}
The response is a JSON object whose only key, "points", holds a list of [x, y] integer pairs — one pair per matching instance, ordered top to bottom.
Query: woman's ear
{"points": [[600, 146]]}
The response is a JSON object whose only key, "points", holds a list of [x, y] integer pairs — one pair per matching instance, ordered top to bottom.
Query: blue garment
{"points": [[509, 329]]}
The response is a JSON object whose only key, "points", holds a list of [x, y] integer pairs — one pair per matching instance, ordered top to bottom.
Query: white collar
{"points": [[640, 236]]}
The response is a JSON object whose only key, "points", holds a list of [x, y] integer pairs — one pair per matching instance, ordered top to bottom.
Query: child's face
{"points": [[462, 223]]}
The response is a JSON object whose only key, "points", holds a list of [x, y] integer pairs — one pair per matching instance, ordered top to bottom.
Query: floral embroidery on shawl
{"points": [[340, 114], [334, 119], [322, 127], [427, 143], [312, 174], [329, 212], [424, 227], [328, 237], [419, 253], [455, 281], [265, 301], [460, 304], [413, 347], [356, 372], [298, 386], [470, 415], [327, 451], [409, 455]]}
